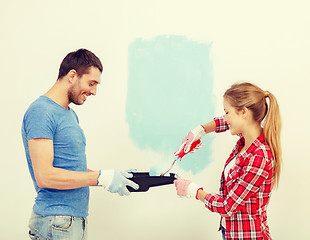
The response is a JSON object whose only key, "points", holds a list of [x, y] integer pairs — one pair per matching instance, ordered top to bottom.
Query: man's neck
{"points": [[58, 94]]}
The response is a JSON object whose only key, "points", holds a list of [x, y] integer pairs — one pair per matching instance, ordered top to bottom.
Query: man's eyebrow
{"points": [[96, 81]]}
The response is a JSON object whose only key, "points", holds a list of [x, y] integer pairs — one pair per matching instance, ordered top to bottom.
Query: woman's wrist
{"points": [[209, 127], [201, 195]]}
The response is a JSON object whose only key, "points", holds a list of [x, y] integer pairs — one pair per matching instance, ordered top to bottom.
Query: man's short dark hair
{"points": [[80, 60]]}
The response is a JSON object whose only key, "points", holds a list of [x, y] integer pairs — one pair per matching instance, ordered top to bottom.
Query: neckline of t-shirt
{"points": [[51, 100]]}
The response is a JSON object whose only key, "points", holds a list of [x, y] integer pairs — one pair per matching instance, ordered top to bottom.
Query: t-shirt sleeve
{"points": [[38, 123]]}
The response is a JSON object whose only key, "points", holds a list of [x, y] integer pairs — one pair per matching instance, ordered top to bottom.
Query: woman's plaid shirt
{"points": [[245, 194]]}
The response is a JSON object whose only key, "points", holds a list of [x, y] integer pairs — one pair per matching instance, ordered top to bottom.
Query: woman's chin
{"points": [[232, 132]]}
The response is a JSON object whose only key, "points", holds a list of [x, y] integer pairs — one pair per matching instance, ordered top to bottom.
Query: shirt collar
{"points": [[254, 145]]}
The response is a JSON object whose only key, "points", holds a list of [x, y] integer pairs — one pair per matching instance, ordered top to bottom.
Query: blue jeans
{"points": [[57, 227], [223, 233]]}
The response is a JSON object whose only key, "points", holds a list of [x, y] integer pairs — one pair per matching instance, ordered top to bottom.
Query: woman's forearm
{"points": [[209, 127], [201, 195]]}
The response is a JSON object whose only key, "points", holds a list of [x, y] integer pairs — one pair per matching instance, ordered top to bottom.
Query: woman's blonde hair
{"points": [[248, 95]]}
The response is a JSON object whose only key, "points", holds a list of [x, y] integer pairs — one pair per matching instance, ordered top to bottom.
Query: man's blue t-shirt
{"points": [[46, 119]]}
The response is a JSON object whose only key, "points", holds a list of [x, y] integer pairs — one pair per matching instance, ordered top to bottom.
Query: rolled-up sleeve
{"points": [[221, 125]]}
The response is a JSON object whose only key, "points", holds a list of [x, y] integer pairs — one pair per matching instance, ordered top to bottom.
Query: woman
{"points": [[252, 169]]}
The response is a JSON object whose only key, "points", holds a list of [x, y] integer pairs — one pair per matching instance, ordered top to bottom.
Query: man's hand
{"points": [[115, 181]]}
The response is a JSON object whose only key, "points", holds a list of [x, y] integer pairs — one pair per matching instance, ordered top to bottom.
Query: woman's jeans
{"points": [[57, 227], [223, 233]]}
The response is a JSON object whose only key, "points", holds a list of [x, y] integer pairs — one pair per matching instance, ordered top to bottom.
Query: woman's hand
{"points": [[190, 140], [186, 188]]}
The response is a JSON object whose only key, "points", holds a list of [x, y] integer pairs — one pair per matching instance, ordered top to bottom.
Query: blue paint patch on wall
{"points": [[170, 91]]}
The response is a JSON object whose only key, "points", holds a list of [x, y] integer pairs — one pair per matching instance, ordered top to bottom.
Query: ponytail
{"points": [[272, 131]]}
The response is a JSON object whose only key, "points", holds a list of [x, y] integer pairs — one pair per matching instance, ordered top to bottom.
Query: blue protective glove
{"points": [[115, 181]]}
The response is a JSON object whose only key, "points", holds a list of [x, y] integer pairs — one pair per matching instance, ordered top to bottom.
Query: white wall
{"points": [[262, 41]]}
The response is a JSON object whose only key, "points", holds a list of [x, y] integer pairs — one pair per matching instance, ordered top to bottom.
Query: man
{"points": [[55, 150]]}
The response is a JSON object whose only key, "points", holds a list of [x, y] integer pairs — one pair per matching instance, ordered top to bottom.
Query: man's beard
{"points": [[73, 95]]}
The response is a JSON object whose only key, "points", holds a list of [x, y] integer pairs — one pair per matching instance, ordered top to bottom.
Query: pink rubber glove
{"points": [[192, 137], [186, 188]]}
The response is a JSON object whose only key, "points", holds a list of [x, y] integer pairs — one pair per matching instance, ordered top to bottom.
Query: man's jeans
{"points": [[57, 227]]}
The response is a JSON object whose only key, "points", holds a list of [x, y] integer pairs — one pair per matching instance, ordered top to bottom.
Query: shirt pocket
{"points": [[233, 175]]}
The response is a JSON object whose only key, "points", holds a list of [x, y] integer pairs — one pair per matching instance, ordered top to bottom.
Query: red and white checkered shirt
{"points": [[245, 193]]}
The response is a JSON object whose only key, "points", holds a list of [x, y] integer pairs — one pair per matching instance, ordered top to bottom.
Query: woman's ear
{"points": [[245, 112]]}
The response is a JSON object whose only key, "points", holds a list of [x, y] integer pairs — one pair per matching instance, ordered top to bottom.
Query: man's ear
{"points": [[72, 76]]}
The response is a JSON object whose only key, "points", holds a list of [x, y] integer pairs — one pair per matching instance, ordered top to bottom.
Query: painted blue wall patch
{"points": [[170, 91]]}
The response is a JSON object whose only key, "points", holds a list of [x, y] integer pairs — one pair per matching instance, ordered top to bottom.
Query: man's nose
{"points": [[93, 91]]}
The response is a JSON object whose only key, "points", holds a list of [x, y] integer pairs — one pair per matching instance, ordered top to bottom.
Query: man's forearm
{"points": [[58, 178]]}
